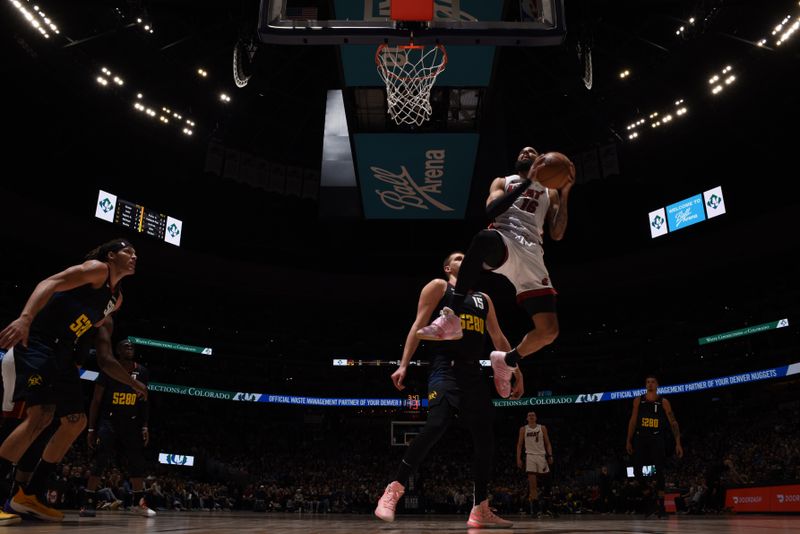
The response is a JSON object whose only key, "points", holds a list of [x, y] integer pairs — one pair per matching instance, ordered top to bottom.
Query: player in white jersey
{"points": [[512, 246], [538, 456]]}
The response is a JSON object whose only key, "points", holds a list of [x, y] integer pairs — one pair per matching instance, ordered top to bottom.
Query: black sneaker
{"points": [[86, 512]]}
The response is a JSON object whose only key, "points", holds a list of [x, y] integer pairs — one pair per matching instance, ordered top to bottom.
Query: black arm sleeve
{"points": [[502, 203]]}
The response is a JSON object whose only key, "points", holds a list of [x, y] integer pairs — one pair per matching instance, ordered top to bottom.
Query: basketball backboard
{"points": [[486, 22]]}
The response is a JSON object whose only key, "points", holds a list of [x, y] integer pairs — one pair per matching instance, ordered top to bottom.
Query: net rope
{"points": [[409, 74]]}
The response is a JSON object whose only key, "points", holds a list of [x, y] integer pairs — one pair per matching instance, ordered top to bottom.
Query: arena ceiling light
{"points": [[36, 18], [47, 21], [699, 21], [146, 26], [783, 30], [680, 31], [787, 32], [202, 73], [624, 74], [105, 75], [718, 82], [225, 98], [163, 116], [657, 119]]}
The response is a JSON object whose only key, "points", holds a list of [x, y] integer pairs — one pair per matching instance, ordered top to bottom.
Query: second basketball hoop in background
{"points": [[409, 72]]}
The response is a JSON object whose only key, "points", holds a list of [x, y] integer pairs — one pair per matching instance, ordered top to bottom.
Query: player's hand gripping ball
{"points": [[553, 170]]}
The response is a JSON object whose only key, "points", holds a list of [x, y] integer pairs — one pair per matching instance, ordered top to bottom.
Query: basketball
{"points": [[555, 172]]}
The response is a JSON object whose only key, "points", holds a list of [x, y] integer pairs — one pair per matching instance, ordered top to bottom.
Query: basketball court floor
{"points": [[242, 522]]}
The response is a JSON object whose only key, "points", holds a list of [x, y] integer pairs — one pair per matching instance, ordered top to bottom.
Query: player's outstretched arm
{"points": [[90, 272], [429, 297], [108, 364]]}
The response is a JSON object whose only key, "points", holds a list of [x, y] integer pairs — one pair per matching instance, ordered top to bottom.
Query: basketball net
{"points": [[409, 72]]}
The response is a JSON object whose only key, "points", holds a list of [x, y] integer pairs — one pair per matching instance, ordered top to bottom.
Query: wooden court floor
{"points": [[246, 522]]}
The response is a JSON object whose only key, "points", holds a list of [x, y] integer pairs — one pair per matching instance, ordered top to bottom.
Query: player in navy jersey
{"points": [[520, 207], [61, 310], [456, 385], [118, 422], [647, 429]]}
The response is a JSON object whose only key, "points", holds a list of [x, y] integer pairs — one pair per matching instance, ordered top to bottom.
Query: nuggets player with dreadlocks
{"points": [[61, 310]]}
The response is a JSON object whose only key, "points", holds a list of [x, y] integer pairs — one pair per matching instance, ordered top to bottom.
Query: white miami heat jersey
{"points": [[526, 217], [534, 440]]}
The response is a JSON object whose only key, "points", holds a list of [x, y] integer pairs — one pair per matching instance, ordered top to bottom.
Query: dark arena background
{"points": [[284, 226]]}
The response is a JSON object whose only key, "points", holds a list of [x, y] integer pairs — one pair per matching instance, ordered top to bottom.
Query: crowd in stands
{"points": [[340, 462]]}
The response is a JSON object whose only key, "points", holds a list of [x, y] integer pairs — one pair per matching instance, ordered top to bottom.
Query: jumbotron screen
{"points": [[138, 218]]}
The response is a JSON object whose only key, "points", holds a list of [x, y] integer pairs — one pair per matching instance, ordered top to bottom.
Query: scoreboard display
{"points": [[138, 218]]}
